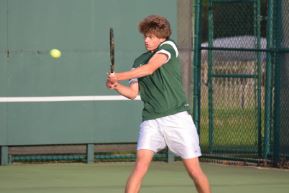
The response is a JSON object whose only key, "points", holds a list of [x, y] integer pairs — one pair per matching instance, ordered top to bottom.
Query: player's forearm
{"points": [[135, 73], [126, 91]]}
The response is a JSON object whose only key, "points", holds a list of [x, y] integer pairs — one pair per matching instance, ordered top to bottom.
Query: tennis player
{"points": [[156, 76]]}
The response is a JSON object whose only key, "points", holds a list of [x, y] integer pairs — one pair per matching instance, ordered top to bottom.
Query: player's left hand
{"points": [[112, 77], [111, 81]]}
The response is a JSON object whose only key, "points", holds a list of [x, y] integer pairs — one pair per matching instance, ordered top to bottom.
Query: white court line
{"points": [[64, 98]]}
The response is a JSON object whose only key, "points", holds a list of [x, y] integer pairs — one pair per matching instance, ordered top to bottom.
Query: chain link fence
{"points": [[243, 102]]}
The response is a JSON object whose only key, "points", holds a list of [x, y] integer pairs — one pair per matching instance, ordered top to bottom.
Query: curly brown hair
{"points": [[157, 25]]}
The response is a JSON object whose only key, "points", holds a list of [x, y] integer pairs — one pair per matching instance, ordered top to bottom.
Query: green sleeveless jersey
{"points": [[162, 92]]}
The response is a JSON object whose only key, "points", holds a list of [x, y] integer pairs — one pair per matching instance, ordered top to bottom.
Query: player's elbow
{"points": [[133, 97]]}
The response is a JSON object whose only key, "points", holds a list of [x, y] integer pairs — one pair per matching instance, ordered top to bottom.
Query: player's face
{"points": [[152, 42]]}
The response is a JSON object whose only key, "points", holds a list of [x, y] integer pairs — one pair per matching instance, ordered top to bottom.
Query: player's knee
{"points": [[195, 172]]}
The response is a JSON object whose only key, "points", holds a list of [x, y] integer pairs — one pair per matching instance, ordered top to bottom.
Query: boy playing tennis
{"points": [[156, 77]]}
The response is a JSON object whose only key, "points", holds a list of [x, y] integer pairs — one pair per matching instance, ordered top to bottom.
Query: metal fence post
{"points": [[257, 9], [197, 64], [277, 81], [268, 84], [90, 153], [4, 155]]}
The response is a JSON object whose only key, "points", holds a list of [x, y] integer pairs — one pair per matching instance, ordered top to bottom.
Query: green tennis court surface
{"points": [[162, 178]]}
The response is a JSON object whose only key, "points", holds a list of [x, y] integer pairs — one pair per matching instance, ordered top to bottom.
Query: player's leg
{"points": [[182, 138], [150, 141], [144, 158], [196, 173]]}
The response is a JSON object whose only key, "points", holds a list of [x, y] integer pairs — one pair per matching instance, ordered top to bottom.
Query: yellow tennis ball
{"points": [[55, 53]]}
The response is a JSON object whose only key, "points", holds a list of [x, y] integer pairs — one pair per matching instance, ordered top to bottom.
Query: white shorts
{"points": [[177, 131]]}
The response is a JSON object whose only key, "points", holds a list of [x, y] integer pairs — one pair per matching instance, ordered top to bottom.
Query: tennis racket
{"points": [[111, 47]]}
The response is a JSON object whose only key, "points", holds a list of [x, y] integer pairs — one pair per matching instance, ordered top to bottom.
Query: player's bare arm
{"points": [[154, 63], [130, 91]]}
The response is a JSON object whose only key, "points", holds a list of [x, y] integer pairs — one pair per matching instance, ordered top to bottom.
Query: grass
{"points": [[231, 127]]}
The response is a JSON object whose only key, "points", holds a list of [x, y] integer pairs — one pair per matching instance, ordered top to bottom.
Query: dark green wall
{"points": [[79, 28]]}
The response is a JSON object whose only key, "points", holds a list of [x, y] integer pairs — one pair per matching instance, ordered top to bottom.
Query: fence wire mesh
{"points": [[234, 64], [233, 68]]}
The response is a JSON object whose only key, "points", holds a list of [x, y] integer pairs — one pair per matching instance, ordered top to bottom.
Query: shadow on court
{"points": [[162, 178]]}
